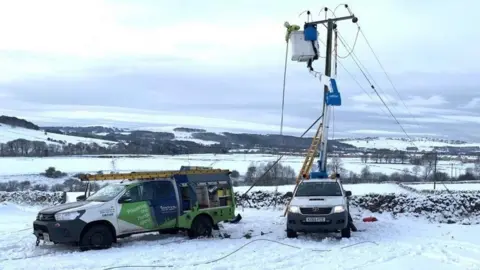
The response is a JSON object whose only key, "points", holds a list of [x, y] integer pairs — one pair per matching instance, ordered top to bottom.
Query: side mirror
{"points": [[348, 193], [81, 198], [124, 200]]}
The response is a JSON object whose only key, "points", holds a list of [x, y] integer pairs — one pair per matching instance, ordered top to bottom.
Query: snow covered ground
{"points": [[9, 133], [187, 136], [422, 144], [239, 162], [451, 187], [394, 243]]}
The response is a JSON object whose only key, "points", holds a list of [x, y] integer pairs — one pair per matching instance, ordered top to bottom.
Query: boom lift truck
{"points": [[194, 199], [319, 202]]}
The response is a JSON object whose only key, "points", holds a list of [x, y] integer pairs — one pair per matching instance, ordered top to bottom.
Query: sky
{"points": [[219, 65]]}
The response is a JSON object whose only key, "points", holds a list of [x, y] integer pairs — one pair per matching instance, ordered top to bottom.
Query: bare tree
{"points": [[364, 157], [428, 161], [476, 169], [416, 170], [251, 174], [365, 175]]}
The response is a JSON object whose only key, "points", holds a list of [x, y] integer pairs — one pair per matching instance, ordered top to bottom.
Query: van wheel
{"points": [[201, 226], [346, 233], [96, 237]]}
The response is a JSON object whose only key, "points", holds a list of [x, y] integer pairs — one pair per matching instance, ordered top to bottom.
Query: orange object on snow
{"points": [[369, 219]]}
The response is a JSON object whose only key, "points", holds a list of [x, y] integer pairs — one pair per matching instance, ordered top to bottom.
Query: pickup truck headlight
{"points": [[294, 209], [338, 209], [67, 215]]}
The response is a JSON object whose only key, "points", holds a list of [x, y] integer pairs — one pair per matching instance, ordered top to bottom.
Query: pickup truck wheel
{"points": [[201, 226], [346, 233], [291, 234], [96, 237]]}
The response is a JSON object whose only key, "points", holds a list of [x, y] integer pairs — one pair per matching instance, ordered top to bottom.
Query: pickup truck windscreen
{"points": [[308, 189], [106, 193]]}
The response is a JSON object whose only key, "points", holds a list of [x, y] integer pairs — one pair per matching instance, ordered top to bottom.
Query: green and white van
{"points": [[194, 200]]}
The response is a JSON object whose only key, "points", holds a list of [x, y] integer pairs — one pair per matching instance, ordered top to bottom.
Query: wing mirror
{"points": [[348, 193], [81, 198], [125, 200]]}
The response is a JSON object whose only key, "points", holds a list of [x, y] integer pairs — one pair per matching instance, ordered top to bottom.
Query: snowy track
{"points": [[399, 244]]}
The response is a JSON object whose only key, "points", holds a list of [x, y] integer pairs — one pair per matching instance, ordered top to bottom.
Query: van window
{"points": [[307, 189], [163, 190], [106, 193], [134, 193]]}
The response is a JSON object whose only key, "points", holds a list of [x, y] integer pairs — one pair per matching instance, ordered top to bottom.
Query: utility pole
{"points": [[331, 26], [451, 170], [435, 171]]}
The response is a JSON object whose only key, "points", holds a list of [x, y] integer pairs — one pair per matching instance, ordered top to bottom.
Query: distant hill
{"points": [[17, 122], [89, 129], [184, 129], [21, 137], [416, 144]]}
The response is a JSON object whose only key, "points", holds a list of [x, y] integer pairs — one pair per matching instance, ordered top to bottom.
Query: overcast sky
{"points": [[219, 65]]}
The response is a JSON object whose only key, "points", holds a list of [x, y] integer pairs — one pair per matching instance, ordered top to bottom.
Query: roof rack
{"points": [[148, 175]]}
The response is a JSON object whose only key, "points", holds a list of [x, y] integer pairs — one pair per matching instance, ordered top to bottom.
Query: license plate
{"points": [[315, 219], [46, 237]]}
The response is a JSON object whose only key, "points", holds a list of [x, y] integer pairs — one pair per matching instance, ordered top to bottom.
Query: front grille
{"points": [[315, 210], [46, 217]]}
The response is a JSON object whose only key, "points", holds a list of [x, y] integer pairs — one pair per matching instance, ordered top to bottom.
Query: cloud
{"points": [[220, 64], [430, 101], [472, 104], [463, 118], [426, 120], [388, 132]]}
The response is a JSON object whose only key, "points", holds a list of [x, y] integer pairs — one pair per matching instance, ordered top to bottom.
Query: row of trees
{"points": [[22, 147], [385, 156], [270, 174], [284, 174], [278, 175], [69, 185]]}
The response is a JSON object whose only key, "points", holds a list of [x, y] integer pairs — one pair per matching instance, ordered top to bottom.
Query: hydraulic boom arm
{"points": [[305, 49]]}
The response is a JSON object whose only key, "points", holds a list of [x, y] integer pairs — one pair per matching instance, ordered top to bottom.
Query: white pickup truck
{"points": [[319, 205]]}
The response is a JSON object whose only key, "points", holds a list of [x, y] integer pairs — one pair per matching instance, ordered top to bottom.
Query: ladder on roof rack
{"points": [[146, 175]]}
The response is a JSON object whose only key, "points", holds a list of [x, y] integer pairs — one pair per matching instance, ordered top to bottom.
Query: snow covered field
{"points": [[8, 133], [422, 144], [239, 162], [451, 187], [394, 243], [397, 243]]}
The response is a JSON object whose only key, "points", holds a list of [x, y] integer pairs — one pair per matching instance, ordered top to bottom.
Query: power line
{"points": [[359, 29], [354, 44], [354, 56], [377, 58], [361, 66], [384, 71], [364, 72], [389, 78], [361, 87], [374, 89]]}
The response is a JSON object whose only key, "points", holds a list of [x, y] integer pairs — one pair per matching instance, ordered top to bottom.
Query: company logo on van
{"points": [[168, 208]]}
